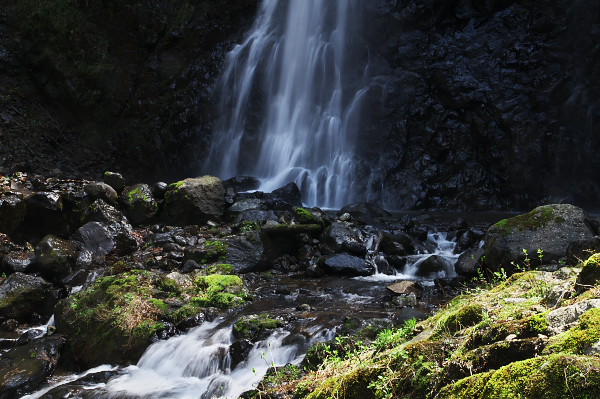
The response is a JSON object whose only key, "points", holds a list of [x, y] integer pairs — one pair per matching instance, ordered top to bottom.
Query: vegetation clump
{"points": [[537, 218], [253, 326]]}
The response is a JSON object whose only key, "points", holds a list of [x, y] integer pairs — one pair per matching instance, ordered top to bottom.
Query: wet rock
{"points": [[115, 180], [242, 183], [159, 189], [103, 191], [285, 197], [194, 201], [139, 204], [100, 211], [12, 212], [365, 212], [45, 215], [550, 229], [344, 237], [96, 239], [468, 239], [397, 244], [246, 253], [55, 256], [18, 261], [469, 262], [346, 265], [431, 265], [406, 287], [21, 295], [408, 300], [255, 327], [31, 335], [239, 351], [24, 368]]}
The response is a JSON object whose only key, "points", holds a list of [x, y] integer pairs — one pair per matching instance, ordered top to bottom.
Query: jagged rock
{"points": [[115, 180], [102, 191], [284, 197], [194, 201], [139, 203], [100, 211], [12, 212], [365, 212], [549, 229], [344, 237], [95, 238], [468, 239], [246, 253], [55, 256], [18, 261], [469, 262], [346, 265], [431, 265], [406, 287], [21, 295], [561, 319], [24, 368]]}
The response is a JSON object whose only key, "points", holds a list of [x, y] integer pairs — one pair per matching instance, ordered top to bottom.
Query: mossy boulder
{"points": [[194, 201], [139, 204], [305, 216], [542, 236], [55, 256], [590, 273], [463, 317], [115, 319], [253, 327], [583, 338], [554, 376]]}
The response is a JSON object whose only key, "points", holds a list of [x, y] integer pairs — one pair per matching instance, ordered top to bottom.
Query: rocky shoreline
{"points": [[121, 266]]}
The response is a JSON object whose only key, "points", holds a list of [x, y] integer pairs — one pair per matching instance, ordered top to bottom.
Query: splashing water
{"points": [[291, 95]]}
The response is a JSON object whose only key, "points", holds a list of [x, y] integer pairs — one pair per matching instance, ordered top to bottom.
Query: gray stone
{"points": [[115, 180], [103, 191], [194, 201], [139, 204], [12, 212], [95, 238], [55, 256], [19, 261], [469, 262], [346, 265], [431, 265], [406, 287], [562, 319]]}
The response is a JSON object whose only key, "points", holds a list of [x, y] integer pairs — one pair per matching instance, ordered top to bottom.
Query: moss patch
{"points": [[537, 218], [253, 326], [579, 339]]}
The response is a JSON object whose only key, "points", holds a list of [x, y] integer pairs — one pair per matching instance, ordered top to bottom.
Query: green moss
{"points": [[176, 185], [304, 216], [537, 218], [248, 226], [215, 250], [221, 268], [590, 273], [462, 318], [251, 327], [579, 339], [554, 376]]}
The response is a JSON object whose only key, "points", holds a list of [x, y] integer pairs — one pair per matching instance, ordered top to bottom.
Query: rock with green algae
{"points": [[194, 201], [139, 204], [547, 231], [590, 273], [21, 295], [115, 319], [253, 327], [546, 377]]}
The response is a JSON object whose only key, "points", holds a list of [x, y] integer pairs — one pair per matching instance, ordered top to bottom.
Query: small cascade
{"points": [[291, 97]]}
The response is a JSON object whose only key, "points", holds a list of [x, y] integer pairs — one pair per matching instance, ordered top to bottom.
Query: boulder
{"points": [[115, 180], [242, 183], [103, 191], [284, 197], [194, 201], [139, 204], [12, 212], [365, 212], [46, 215], [549, 229], [94, 237], [344, 237], [397, 244], [578, 251], [246, 252], [55, 256], [18, 261], [469, 262], [346, 265], [431, 265], [589, 275], [406, 287], [21, 295], [26, 367]]}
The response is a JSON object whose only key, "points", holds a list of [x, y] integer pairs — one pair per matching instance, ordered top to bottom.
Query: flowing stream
{"points": [[290, 101]]}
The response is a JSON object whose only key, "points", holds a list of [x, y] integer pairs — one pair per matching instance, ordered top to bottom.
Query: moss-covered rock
{"points": [[194, 201], [139, 203], [304, 216], [55, 256], [590, 273], [462, 318], [115, 319], [253, 327], [580, 339], [554, 376]]}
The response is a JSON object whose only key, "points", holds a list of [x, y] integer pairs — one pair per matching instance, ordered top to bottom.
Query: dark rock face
{"points": [[481, 103], [55, 256], [346, 265], [21, 295]]}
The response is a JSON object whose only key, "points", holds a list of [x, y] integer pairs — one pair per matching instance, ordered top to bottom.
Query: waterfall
{"points": [[290, 100]]}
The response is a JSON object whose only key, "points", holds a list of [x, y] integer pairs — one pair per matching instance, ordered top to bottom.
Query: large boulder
{"points": [[115, 180], [103, 191], [194, 201], [139, 203], [366, 212], [46, 215], [542, 236], [344, 237], [96, 239], [246, 252], [55, 256], [18, 261], [21, 295], [24, 368]]}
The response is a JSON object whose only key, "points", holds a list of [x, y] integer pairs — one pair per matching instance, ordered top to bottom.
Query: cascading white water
{"points": [[290, 101]]}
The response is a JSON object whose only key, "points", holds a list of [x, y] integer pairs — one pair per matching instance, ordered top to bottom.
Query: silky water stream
{"points": [[199, 364]]}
